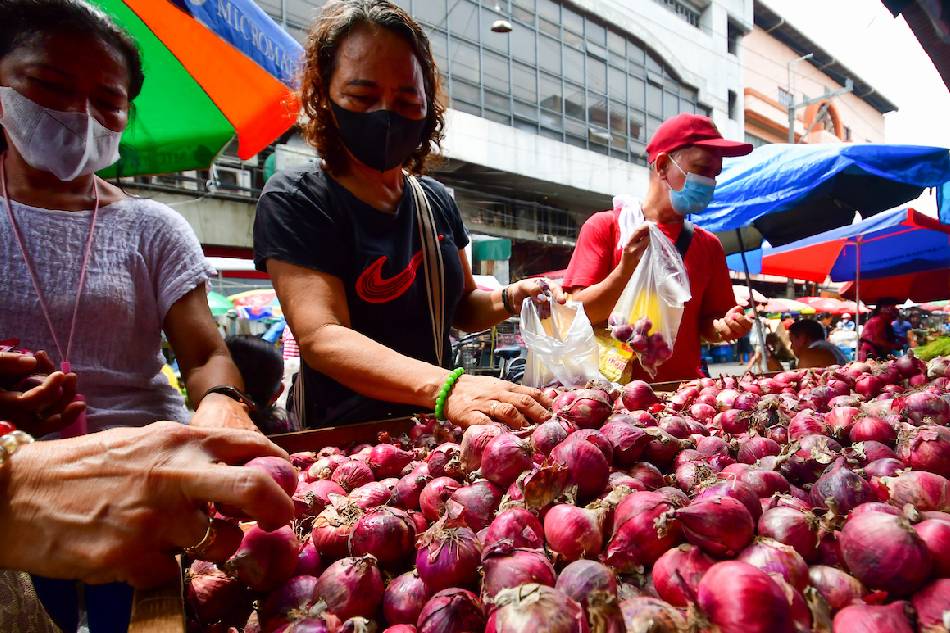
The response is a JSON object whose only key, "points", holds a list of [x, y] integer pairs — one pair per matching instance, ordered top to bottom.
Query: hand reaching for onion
{"points": [[734, 325], [35, 398], [481, 399], [117, 505]]}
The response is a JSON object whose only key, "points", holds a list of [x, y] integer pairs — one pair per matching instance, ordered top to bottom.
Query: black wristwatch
{"points": [[235, 394]]}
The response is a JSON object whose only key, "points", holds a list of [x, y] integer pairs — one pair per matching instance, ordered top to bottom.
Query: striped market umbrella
{"points": [[200, 92], [219, 304]]}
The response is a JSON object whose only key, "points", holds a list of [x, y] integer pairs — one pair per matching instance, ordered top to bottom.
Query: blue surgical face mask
{"points": [[695, 195]]}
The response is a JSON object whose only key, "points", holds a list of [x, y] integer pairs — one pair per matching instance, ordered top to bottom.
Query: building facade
{"points": [[776, 73], [546, 123]]}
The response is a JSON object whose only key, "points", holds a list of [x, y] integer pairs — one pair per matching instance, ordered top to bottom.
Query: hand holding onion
{"points": [[734, 325], [34, 397], [481, 399], [117, 505]]}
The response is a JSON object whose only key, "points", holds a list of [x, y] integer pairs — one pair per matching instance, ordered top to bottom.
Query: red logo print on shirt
{"points": [[373, 288]]}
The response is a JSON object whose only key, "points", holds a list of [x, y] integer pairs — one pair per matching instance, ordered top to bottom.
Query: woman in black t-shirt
{"points": [[351, 253]]}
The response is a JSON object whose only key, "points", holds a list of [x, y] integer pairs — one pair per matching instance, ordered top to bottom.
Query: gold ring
{"points": [[197, 550]]}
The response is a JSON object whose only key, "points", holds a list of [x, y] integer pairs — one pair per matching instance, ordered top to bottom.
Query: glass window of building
{"points": [[463, 19]]}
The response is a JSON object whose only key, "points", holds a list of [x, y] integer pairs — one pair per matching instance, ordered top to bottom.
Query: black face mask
{"points": [[382, 139]]}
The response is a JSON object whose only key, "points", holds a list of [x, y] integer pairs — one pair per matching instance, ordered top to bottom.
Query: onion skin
{"points": [[638, 395], [588, 409], [547, 436], [474, 441], [628, 442], [926, 448], [504, 458], [388, 460], [586, 465], [352, 474], [408, 490], [737, 490], [841, 490], [924, 490], [435, 494], [371, 495], [310, 498], [479, 501], [518, 525], [720, 526], [331, 530], [388, 534], [935, 534], [639, 536], [884, 552], [448, 557], [308, 561], [505, 567], [677, 573], [583, 580], [351, 587], [838, 588], [214, 596], [404, 598], [738, 598], [932, 604], [536, 609], [451, 611], [649, 615], [891, 618]]}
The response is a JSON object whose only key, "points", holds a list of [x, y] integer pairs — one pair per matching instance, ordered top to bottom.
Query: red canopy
{"points": [[932, 285]]}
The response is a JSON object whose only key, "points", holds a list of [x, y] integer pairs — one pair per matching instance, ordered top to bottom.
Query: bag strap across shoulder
{"points": [[685, 238], [432, 265]]}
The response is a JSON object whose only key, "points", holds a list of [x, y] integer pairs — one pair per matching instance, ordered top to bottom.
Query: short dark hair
{"points": [[338, 19], [22, 22], [812, 330], [261, 366]]}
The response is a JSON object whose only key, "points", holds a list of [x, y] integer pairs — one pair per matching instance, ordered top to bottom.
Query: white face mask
{"points": [[66, 144]]}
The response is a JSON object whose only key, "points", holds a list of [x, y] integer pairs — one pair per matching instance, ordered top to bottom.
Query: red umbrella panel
{"points": [[932, 285]]}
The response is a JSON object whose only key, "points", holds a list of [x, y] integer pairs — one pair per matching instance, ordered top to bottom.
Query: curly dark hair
{"points": [[337, 20]]}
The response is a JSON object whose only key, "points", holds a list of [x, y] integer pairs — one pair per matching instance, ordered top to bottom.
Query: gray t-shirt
{"points": [[145, 257]]}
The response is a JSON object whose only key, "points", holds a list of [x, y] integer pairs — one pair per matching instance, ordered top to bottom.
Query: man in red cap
{"points": [[685, 157]]}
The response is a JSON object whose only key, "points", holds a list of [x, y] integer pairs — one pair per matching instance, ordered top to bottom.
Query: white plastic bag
{"points": [[648, 314], [561, 344]]}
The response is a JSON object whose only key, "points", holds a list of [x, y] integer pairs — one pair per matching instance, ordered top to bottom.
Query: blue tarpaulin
{"points": [[246, 27], [783, 193], [943, 202]]}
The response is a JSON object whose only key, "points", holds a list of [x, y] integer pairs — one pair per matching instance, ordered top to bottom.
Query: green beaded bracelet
{"points": [[445, 391]]}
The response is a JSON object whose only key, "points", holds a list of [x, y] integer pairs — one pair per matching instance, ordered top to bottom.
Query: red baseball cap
{"points": [[685, 130]]}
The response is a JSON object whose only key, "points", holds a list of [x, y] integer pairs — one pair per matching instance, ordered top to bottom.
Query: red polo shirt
{"points": [[596, 254]]}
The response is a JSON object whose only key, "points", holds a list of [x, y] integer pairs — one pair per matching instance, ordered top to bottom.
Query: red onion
{"points": [[868, 386], [638, 395], [726, 398], [924, 407], [588, 409], [702, 411], [841, 419], [732, 421], [805, 423], [677, 426], [872, 428], [548, 435], [596, 438], [474, 441], [628, 442], [711, 445], [663, 448], [755, 448], [926, 448], [874, 451], [687, 455], [504, 458], [388, 460], [445, 461], [586, 466], [887, 467], [278, 469], [352, 474], [647, 474], [693, 474], [619, 478], [765, 483], [408, 490], [737, 490], [841, 490], [924, 490], [371, 495], [434, 495], [310, 498], [479, 502], [875, 506], [519, 526], [720, 526], [332, 527], [792, 527], [642, 531], [573, 532], [388, 534], [935, 534], [829, 550], [884, 552], [448, 557], [775, 558], [265, 559], [308, 561], [504, 567], [676, 574], [588, 582], [351, 587], [838, 588], [213, 596], [293, 597], [404, 598], [738, 598], [932, 604], [535, 608], [452, 611], [649, 615], [862, 618]]}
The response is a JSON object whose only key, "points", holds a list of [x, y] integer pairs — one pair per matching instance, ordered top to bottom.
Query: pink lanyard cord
{"points": [[64, 365]]}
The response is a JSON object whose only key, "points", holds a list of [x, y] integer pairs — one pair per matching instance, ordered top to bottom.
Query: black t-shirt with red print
{"points": [[307, 218]]}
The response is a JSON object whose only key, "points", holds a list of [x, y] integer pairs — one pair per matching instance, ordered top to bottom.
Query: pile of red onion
{"points": [[812, 500]]}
